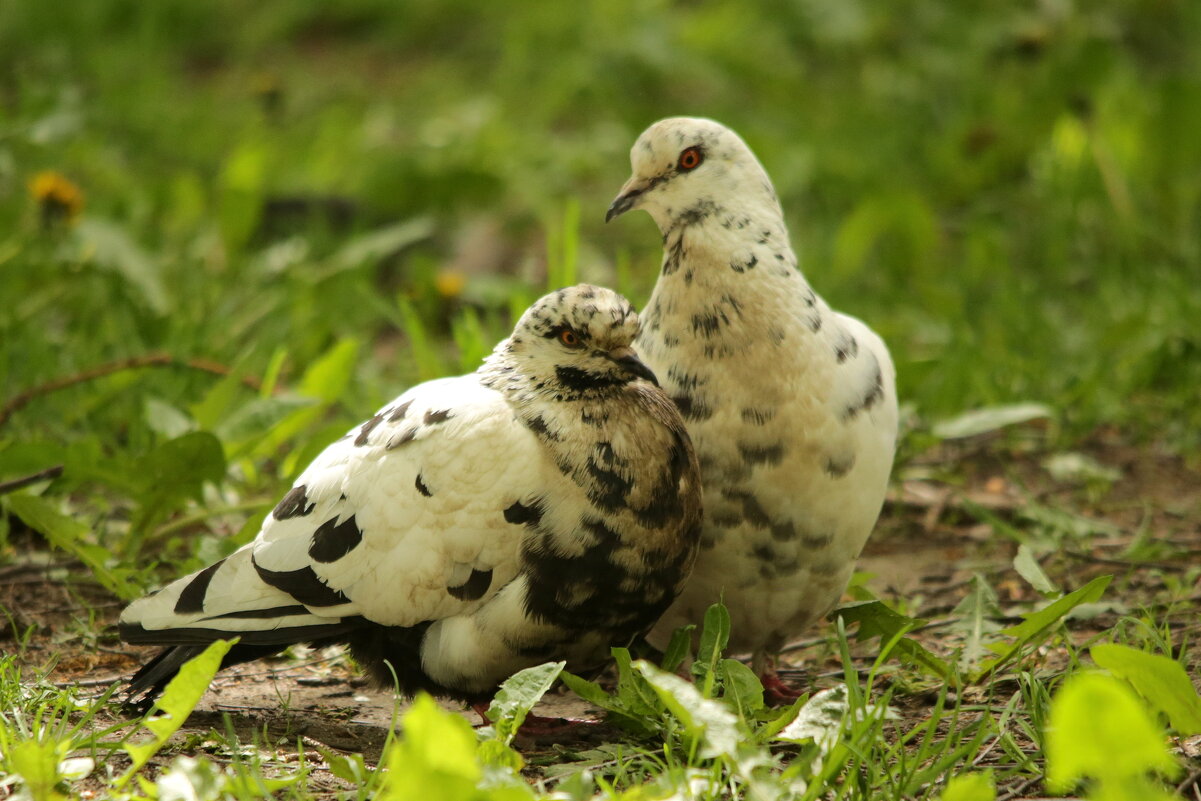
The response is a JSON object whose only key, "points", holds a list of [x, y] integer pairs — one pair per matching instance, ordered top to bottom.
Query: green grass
{"points": [[296, 210]]}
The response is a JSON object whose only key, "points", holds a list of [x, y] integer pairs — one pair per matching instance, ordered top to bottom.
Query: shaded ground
{"points": [[1132, 513]]}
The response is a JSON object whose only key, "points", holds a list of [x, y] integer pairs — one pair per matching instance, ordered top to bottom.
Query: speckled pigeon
{"points": [[791, 406], [546, 506]]}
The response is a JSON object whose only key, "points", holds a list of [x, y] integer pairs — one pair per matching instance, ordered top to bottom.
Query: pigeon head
{"points": [[688, 166], [574, 343]]}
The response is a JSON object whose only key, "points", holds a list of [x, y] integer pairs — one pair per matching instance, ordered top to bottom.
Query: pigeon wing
{"points": [[401, 521]]}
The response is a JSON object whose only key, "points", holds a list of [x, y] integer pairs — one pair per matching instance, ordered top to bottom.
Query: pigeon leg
{"points": [[775, 691]]}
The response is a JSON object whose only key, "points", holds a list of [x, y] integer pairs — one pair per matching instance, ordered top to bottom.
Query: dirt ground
{"points": [[929, 544]]}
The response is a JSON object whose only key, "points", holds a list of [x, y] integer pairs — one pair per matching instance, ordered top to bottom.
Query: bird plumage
{"points": [[791, 406], [546, 506]]}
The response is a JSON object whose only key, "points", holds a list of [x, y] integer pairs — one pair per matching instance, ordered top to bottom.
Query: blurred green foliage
{"points": [[1010, 193]]}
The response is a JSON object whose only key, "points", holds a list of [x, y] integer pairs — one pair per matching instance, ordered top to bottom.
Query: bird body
{"points": [[791, 406], [546, 506]]}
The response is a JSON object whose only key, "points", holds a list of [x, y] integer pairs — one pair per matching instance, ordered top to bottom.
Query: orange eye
{"points": [[691, 158], [569, 338]]}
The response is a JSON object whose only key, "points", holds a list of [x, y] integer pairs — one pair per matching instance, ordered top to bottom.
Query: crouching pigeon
{"points": [[792, 406], [544, 507]]}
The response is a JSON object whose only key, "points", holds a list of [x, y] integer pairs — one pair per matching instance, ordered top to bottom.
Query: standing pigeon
{"points": [[791, 406], [546, 506]]}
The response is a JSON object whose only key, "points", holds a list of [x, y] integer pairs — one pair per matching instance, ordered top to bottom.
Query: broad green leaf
{"points": [[110, 246], [982, 421], [179, 468], [70, 535], [1028, 568], [975, 613], [876, 619], [1035, 625], [715, 634], [678, 648], [1162, 681], [741, 688], [590, 691], [518, 695], [637, 698], [178, 700], [633, 705], [702, 717], [1100, 729], [437, 758], [36, 762], [970, 787]]}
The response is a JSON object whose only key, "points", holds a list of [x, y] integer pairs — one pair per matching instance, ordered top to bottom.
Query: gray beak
{"points": [[625, 200], [629, 360]]}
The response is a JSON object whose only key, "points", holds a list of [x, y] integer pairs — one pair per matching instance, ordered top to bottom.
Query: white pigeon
{"points": [[792, 406], [546, 506]]}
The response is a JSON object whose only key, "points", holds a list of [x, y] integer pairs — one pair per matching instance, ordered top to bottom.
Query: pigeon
{"points": [[792, 406], [545, 507]]}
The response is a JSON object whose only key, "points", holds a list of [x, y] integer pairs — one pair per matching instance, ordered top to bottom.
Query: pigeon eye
{"points": [[691, 158], [570, 338]]}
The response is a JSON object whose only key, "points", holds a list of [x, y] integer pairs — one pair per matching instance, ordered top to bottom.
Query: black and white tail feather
{"points": [[546, 506]]}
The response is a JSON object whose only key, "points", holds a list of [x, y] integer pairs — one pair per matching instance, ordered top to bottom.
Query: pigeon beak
{"points": [[626, 199], [628, 359]]}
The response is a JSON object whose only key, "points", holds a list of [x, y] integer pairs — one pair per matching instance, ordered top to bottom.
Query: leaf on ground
{"points": [[992, 418], [1028, 568], [1160, 680], [518, 695], [178, 700], [822, 717], [708, 720], [1100, 729]]}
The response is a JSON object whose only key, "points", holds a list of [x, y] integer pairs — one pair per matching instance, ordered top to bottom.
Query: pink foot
{"points": [[775, 691]]}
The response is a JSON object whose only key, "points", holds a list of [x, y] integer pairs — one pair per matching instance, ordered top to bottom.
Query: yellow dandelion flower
{"points": [[59, 199], [450, 283]]}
